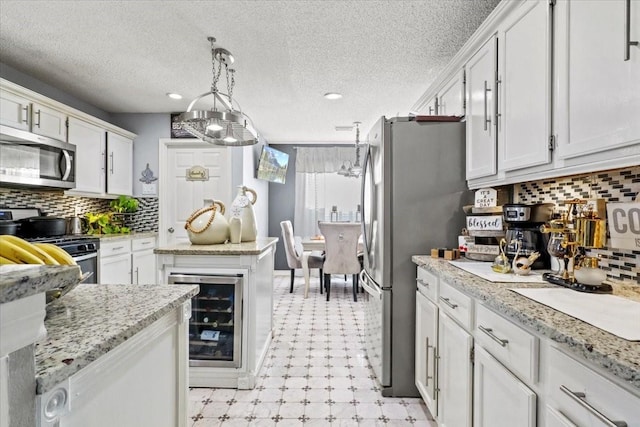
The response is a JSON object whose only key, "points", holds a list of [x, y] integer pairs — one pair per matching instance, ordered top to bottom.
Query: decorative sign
{"points": [[197, 173], [147, 176], [486, 197], [479, 223], [624, 225], [483, 249]]}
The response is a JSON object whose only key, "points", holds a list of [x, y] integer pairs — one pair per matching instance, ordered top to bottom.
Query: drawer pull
{"points": [[117, 248], [422, 282], [449, 303], [489, 332], [579, 398]]}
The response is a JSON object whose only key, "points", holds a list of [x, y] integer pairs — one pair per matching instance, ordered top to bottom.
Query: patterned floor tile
{"points": [[316, 373]]}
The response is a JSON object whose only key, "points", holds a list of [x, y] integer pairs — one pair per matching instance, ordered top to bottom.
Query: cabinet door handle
{"points": [[627, 32], [437, 108], [431, 110], [26, 114], [487, 118], [38, 122], [111, 157], [103, 161], [171, 230], [137, 277], [423, 283], [449, 303], [489, 332], [426, 364], [579, 398]]}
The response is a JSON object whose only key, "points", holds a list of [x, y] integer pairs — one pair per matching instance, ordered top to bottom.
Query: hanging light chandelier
{"points": [[225, 126], [353, 170]]}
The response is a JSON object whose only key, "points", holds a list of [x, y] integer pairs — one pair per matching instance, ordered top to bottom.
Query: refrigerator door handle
{"points": [[364, 207], [374, 292]]}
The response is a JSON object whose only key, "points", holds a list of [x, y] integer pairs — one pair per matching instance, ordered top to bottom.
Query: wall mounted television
{"points": [[272, 165]]}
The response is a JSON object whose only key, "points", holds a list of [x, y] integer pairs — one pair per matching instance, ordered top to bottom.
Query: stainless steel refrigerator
{"points": [[413, 190]]}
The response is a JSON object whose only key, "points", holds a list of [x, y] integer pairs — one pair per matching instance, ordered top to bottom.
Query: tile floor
{"points": [[316, 372]]}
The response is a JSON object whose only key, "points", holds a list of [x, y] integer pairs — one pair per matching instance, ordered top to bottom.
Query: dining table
{"points": [[311, 244]]}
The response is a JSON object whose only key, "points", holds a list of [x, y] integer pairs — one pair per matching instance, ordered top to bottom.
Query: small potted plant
{"points": [[124, 204]]}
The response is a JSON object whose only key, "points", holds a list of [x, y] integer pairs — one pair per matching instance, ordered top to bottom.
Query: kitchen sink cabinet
{"points": [[597, 90], [23, 113], [91, 142], [119, 164]]}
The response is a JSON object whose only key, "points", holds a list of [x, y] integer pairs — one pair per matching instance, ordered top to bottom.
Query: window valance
{"points": [[322, 159]]}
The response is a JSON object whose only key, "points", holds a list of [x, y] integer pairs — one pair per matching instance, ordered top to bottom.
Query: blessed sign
{"points": [[489, 223]]}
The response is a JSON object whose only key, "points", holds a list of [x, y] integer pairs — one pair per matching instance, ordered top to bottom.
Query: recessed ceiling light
{"points": [[174, 95], [333, 95]]}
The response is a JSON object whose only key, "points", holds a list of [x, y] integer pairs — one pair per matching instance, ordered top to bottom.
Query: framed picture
{"points": [[176, 130]]}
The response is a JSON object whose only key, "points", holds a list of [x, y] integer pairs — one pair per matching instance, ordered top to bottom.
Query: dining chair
{"points": [[293, 249], [341, 252]]}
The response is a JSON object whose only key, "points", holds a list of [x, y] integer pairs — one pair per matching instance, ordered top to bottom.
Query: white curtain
{"points": [[318, 187]]}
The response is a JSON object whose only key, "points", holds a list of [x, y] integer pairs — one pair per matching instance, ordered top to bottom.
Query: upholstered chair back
{"points": [[341, 247]]}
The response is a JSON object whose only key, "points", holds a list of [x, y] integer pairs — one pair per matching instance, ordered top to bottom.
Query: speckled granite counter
{"points": [[115, 237], [245, 248], [20, 281], [91, 320], [615, 355]]}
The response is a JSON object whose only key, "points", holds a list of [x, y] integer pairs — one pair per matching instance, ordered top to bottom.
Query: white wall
{"points": [[250, 155]]}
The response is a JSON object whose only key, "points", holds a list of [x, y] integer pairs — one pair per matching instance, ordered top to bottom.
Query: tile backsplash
{"points": [[620, 185], [56, 203]]}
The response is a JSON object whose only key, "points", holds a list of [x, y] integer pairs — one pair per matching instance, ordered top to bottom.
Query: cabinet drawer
{"points": [[143, 243], [115, 248], [427, 283], [458, 305], [508, 343], [585, 397]]}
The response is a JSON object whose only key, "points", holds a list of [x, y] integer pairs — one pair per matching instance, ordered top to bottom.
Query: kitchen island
{"points": [[231, 326], [111, 355]]}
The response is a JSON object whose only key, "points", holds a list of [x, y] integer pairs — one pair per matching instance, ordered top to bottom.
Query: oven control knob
{"points": [[171, 230], [82, 247]]}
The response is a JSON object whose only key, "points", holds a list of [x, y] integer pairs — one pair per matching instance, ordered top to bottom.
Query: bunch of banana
{"points": [[14, 250]]}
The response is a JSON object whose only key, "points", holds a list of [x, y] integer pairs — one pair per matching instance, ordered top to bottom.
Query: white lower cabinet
{"points": [[128, 261], [143, 261], [426, 348], [455, 373], [499, 398], [587, 398], [555, 418]]}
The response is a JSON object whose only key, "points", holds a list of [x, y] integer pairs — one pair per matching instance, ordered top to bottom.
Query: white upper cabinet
{"points": [[524, 85], [480, 90], [597, 90], [451, 96], [14, 111], [22, 113], [49, 122], [90, 141], [119, 164]]}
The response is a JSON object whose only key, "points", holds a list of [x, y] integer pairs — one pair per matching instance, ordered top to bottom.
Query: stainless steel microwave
{"points": [[27, 159]]}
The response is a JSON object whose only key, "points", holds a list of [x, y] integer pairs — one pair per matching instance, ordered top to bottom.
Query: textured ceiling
{"points": [[123, 56]]}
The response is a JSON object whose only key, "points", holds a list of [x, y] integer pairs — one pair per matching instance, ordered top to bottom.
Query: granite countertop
{"points": [[121, 236], [244, 248], [21, 281], [93, 319], [607, 351]]}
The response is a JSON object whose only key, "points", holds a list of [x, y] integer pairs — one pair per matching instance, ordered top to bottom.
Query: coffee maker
{"points": [[523, 233]]}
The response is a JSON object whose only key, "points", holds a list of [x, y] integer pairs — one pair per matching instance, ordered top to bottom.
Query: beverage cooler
{"points": [[215, 327]]}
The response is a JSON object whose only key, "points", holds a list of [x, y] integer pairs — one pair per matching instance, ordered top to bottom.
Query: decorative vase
{"points": [[242, 208], [208, 226], [235, 229]]}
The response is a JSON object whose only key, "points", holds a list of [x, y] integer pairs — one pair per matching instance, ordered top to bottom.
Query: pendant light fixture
{"points": [[222, 124], [349, 169]]}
